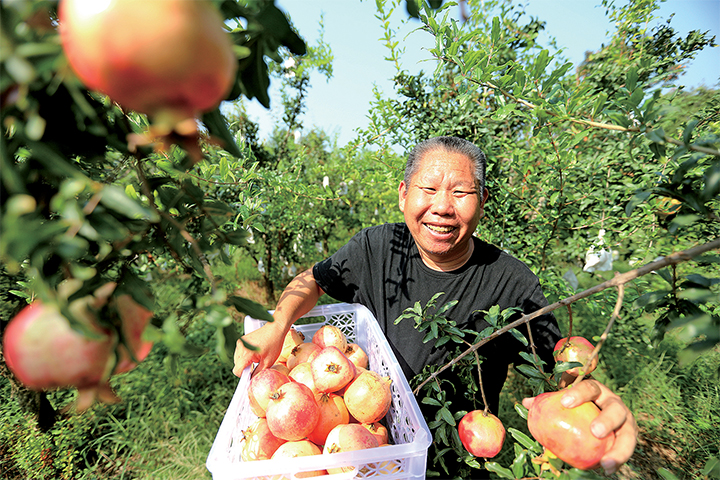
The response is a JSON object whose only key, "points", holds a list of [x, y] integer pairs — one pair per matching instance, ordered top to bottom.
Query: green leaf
{"points": [[412, 8], [495, 32], [631, 78], [636, 97], [599, 104], [217, 127], [687, 133], [640, 197], [115, 198], [249, 307], [519, 336], [529, 371], [431, 401], [447, 416], [523, 439], [500, 470], [667, 474]]}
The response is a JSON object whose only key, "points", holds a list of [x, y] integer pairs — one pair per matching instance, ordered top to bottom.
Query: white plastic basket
{"points": [[406, 426]]}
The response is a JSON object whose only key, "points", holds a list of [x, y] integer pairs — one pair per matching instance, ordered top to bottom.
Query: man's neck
{"points": [[442, 265]]}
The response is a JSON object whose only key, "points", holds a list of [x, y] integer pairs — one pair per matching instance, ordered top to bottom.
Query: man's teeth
{"points": [[438, 229]]}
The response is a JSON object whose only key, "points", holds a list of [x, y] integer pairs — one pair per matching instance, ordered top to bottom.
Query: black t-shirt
{"points": [[381, 268]]}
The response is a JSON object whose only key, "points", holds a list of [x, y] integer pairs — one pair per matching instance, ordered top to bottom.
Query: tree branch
{"points": [[620, 279]]}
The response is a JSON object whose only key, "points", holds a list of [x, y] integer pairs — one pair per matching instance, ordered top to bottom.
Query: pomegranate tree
{"points": [[170, 59], [566, 431]]}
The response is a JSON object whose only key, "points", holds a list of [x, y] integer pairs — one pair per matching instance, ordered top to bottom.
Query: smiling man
{"points": [[388, 268]]}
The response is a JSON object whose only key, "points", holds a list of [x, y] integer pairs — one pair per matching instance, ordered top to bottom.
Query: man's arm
{"points": [[298, 298]]}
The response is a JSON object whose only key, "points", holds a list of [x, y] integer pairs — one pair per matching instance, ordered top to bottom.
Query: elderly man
{"points": [[389, 267]]}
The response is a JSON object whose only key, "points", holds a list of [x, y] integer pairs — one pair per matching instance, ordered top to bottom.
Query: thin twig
{"points": [[620, 279], [603, 337]]}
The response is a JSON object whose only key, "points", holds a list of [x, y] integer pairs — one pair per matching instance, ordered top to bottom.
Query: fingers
{"points": [[242, 358], [614, 417], [623, 448]]}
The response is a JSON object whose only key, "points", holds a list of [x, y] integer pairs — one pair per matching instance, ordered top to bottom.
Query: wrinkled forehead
{"points": [[439, 161]]}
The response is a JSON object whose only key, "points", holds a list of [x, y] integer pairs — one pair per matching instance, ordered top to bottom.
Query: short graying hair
{"points": [[452, 145]]}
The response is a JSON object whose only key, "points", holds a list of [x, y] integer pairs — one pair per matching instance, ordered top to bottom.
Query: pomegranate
{"points": [[170, 59], [330, 335], [292, 339], [575, 349], [44, 351], [301, 354], [357, 355], [281, 367], [331, 370], [358, 371], [303, 374], [262, 386], [368, 398], [292, 412], [333, 412], [379, 430], [566, 431], [481, 434], [346, 438], [258, 442], [300, 448]]}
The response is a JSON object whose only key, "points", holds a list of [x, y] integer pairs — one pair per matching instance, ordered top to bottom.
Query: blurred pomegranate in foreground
{"points": [[170, 59], [44, 351]]}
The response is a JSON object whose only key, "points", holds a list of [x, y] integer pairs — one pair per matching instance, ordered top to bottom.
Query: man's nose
{"points": [[443, 203]]}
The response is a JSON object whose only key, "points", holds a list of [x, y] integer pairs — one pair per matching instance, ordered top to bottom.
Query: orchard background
{"points": [[609, 164]]}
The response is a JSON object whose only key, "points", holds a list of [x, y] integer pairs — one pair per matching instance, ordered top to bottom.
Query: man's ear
{"points": [[402, 193], [485, 195], [483, 198]]}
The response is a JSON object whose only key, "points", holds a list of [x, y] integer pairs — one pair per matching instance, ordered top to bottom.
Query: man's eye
{"points": [[428, 189], [462, 193]]}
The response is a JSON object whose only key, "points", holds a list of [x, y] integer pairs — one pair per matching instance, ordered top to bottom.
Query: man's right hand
{"points": [[268, 341]]}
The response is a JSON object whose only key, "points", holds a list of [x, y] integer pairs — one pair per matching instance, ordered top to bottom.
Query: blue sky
{"points": [[340, 105]]}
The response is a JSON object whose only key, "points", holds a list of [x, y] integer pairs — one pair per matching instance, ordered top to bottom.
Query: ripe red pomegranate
{"points": [[166, 58], [330, 335], [292, 339], [576, 349], [44, 351], [301, 354], [357, 355], [331, 370], [303, 374], [262, 386], [368, 397], [292, 412], [333, 412], [379, 430], [566, 431], [481, 434], [348, 437], [258, 442], [300, 448]]}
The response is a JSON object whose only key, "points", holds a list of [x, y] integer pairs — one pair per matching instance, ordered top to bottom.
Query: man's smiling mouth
{"points": [[440, 229]]}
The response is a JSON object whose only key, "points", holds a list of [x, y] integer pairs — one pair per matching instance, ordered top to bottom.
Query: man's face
{"points": [[442, 206]]}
